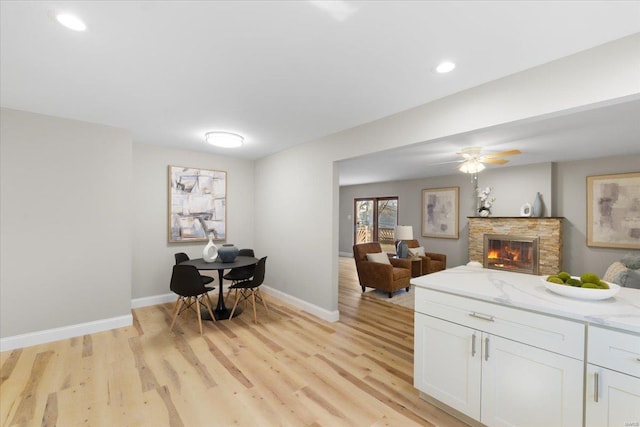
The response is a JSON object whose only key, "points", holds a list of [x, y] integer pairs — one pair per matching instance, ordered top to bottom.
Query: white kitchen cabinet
{"points": [[544, 351], [498, 365], [449, 368], [613, 378], [496, 380], [526, 386], [617, 401]]}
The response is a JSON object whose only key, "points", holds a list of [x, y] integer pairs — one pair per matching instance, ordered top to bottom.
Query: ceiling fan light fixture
{"points": [[224, 139], [471, 166]]}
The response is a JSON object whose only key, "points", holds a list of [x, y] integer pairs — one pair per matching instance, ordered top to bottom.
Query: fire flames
{"points": [[505, 253]]}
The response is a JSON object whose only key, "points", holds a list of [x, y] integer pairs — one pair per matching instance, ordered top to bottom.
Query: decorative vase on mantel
{"points": [[536, 209], [210, 251], [228, 252]]}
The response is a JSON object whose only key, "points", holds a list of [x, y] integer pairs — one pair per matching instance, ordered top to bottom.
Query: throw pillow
{"points": [[416, 252], [380, 257], [631, 260], [613, 272], [630, 279]]}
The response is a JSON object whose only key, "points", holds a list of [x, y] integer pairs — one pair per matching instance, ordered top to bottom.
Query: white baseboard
{"points": [[345, 254], [165, 298], [153, 300], [329, 316], [64, 332]]}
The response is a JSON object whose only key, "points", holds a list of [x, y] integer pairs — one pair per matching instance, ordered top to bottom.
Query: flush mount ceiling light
{"points": [[70, 21], [445, 67], [224, 139]]}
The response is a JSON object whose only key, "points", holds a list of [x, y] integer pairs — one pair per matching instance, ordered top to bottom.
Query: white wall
{"points": [[306, 175], [571, 194], [294, 198], [65, 222], [152, 254]]}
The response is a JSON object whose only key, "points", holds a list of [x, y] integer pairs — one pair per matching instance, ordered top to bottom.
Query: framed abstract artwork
{"points": [[197, 204], [613, 210], [440, 212]]}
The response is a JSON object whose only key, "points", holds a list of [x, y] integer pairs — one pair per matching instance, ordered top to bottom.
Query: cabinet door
{"points": [[447, 363], [527, 386], [618, 398]]}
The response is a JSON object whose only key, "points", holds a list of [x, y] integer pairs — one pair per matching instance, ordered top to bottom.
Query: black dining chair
{"points": [[182, 257], [240, 274], [188, 284], [251, 289]]}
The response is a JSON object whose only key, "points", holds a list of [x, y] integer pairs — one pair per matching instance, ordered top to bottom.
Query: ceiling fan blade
{"points": [[501, 154], [495, 161]]}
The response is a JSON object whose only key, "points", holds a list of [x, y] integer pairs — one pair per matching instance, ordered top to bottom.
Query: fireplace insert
{"points": [[511, 253]]}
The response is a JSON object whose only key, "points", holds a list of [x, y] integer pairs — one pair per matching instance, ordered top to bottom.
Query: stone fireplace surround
{"points": [[549, 230]]}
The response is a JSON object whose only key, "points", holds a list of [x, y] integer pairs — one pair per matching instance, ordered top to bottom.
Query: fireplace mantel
{"points": [[548, 229]]}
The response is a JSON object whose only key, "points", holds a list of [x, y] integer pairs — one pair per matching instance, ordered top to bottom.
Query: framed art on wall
{"points": [[197, 204], [613, 210], [440, 212]]}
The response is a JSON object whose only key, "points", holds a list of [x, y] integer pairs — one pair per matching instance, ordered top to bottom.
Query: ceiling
{"points": [[283, 73], [611, 130]]}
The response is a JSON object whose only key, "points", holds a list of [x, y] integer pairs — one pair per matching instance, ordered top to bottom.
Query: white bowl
{"points": [[581, 293]]}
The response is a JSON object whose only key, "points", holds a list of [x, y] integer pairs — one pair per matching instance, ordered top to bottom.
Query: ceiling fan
{"points": [[474, 159]]}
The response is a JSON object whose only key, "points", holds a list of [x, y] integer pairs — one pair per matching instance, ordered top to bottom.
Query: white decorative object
{"points": [[485, 203], [525, 210], [210, 251], [474, 264], [581, 293]]}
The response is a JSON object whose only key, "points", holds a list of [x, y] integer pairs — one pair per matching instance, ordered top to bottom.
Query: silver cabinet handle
{"points": [[482, 316], [473, 345], [486, 348], [596, 380]]}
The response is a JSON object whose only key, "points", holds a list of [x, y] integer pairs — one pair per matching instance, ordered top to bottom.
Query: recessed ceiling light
{"points": [[70, 21], [445, 67], [224, 139]]}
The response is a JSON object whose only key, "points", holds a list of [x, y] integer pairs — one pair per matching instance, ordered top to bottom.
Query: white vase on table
{"points": [[210, 251]]}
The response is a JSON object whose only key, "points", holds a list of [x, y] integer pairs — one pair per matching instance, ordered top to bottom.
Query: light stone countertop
{"points": [[528, 292]]}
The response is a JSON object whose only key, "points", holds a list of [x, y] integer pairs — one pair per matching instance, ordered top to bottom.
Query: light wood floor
{"points": [[291, 369]]}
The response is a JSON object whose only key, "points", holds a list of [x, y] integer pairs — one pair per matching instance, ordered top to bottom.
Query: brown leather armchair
{"points": [[431, 261], [386, 277]]}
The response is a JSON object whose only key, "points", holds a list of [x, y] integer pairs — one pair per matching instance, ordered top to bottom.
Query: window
{"points": [[376, 220]]}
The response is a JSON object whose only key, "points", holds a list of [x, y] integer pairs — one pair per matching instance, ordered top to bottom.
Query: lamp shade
{"points": [[404, 232]]}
